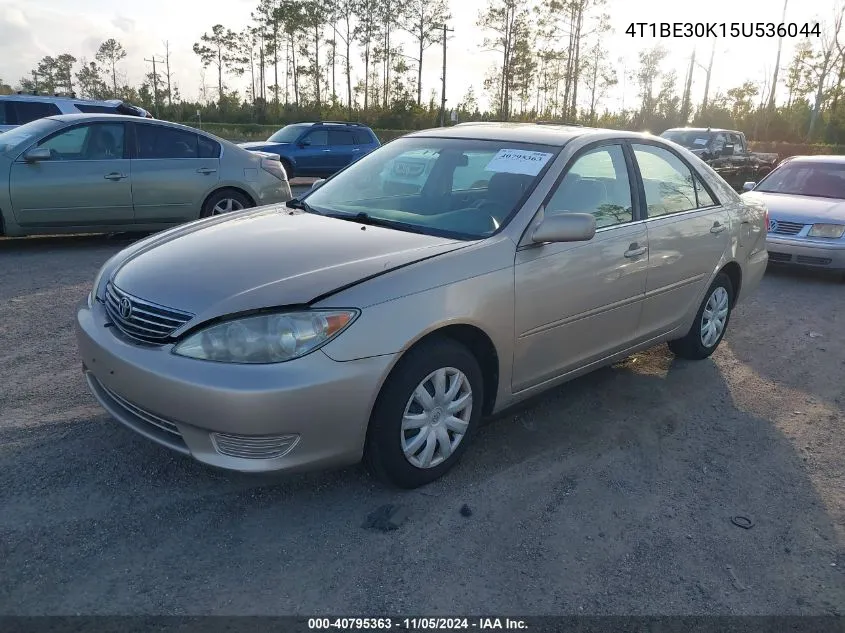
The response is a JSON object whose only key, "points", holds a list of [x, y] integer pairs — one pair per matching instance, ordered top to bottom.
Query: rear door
{"points": [[342, 146], [173, 172], [87, 181], [688, 232]]}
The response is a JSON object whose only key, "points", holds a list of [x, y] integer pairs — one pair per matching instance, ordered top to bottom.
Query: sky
{"points": [[31, 29]]}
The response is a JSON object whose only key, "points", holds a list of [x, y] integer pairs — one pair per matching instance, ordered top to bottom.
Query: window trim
{"points": [[44, 139], [641, 185]]}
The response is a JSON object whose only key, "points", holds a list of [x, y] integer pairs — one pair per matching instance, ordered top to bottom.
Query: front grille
{"points": [[785, 228], [779, 257], [815, 261], [142, 320], [146, 416], [253, 447]]}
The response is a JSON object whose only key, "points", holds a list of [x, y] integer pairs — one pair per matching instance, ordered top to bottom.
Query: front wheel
{"points": [[710, 323], [426, 415]]}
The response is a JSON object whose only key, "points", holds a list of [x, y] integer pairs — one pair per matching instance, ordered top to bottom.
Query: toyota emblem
{"points": [[125, 308]]}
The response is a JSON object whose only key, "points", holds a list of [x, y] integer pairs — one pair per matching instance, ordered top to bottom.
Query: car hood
{"points": [[260, 144], [806, 209], [268, 257]]}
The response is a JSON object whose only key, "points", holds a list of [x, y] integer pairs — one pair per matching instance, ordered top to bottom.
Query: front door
{"points": [[342, 146], [312, 157], [173, 171], [86, 181], [688, 231], [579, 302]]}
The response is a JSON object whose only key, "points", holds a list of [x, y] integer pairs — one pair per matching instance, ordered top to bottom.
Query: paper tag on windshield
{"points": [[700, 141], [517, 161]]}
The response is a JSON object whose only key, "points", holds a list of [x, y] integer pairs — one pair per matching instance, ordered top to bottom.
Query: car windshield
{"points": [[289, 133], [25, 135], [691, 139], [823, 180], [467, 189]]}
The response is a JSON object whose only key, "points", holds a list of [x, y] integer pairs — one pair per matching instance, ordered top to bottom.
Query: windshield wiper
{"points": [[296, 203], [366, 218]]}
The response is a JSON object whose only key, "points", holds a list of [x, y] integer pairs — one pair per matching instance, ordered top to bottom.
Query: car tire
{"points": [[288, 169], [225, 201], [716, 308], [397, 451]]}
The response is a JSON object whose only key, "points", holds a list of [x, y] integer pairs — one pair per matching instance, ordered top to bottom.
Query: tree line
{"points": [[363, 60]]}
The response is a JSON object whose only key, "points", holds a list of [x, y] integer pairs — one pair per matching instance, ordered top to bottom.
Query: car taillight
{"points": [[274, 167]]}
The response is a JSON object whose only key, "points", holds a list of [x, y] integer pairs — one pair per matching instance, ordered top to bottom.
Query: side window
{"points": [[94, 109], [31, 110], [4, 119], [340, 137], [318, 138], [362, 138], [98, 141], [719, 141], [163, 142], [736, 142], [208, 148], [667, 180], [596, 183], [704, 197]]}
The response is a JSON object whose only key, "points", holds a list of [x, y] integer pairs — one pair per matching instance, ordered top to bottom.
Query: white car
{"points": [[18, 109]]}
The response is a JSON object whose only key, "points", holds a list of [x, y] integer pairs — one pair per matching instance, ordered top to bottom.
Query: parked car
{"points": [[18, 109], [318, 149], [726, 151], [105, 172], [806, 201], [353, 323]]}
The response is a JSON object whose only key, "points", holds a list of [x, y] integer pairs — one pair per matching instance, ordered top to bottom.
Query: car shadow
{"points": [[613, 494]]}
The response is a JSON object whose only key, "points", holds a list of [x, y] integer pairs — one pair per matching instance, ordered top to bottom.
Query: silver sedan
{"points": [[805, 196], [363, 323]]}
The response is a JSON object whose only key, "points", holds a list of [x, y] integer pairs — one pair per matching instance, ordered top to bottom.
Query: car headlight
{"points": [[834, 231], [266, 338]]}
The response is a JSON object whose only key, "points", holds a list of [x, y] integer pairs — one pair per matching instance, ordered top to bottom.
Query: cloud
{"points": [[127, 25]]}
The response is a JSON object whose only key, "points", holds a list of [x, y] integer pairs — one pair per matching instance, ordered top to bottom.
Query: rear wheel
{"points": [[225, 201], [710, 323], [426, 415]]}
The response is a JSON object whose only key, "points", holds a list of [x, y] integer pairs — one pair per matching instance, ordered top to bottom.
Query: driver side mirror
{"points": [[304, 142], [37, 154], [748, 186], [565, 227]]}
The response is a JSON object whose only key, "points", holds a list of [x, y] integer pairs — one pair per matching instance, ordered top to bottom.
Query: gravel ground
{"points": [[610, 495]]}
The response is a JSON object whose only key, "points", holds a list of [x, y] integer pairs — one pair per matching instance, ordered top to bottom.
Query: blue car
{"points": [[318, 149]]}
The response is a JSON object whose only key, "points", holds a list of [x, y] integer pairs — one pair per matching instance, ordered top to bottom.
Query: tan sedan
{"points": [[359, 322]]}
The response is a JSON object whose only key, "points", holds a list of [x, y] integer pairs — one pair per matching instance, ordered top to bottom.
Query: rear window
{"points": [[95, 109], [26, 111]]}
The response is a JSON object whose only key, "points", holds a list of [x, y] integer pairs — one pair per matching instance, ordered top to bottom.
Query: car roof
{"points": [[40, 97], [78, 117], [700, 129], [542, 134], [837, 159]]}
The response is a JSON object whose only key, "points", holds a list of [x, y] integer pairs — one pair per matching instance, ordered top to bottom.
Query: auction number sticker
{"points": [[518, 161]]}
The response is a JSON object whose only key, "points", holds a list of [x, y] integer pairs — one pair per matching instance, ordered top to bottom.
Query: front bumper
{"points": [[807, 252], [304, 414]]}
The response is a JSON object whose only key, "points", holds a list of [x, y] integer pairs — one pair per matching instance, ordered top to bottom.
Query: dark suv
{"points": [[20, 108], [318, 149]]}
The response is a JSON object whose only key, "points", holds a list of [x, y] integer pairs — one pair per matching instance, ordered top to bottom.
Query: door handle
{"points": [[357, 149], [327, 150], [206, 170], [114, 176], [717, 228], [635, 251]]}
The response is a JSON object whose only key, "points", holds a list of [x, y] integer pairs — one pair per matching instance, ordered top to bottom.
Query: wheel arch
{"points": [[217, 190], [734, 273]]}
